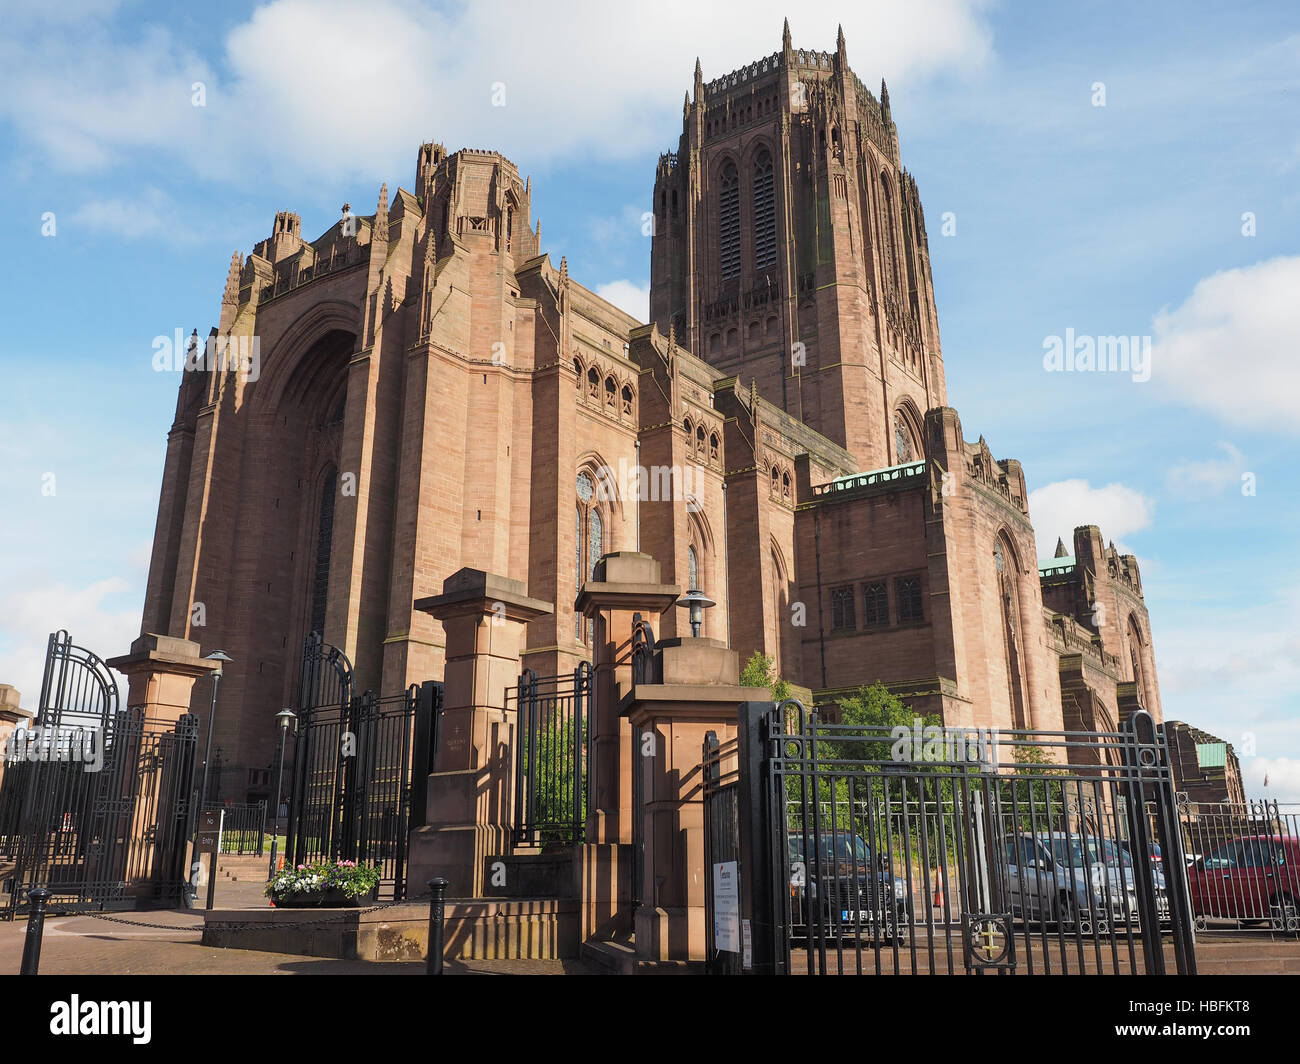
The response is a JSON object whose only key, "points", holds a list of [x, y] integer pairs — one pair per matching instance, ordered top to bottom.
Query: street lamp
{"points": [[697, 602], [221, 658], [284, 717]]}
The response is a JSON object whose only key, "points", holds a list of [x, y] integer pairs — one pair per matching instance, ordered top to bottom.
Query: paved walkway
{"points": [[86, 945]]}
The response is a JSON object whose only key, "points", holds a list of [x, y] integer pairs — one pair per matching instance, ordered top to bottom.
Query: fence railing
{"points": [[243, 827], [893, 851], [1242, 865]]}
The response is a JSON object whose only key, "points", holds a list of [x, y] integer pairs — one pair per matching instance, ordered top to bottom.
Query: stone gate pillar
{"points": [[624, 584], [160, 672], [693, 689], [12, 718], [470, 794]]}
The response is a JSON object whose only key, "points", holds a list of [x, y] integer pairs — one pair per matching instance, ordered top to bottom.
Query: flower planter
{"points": [[324, 899]]}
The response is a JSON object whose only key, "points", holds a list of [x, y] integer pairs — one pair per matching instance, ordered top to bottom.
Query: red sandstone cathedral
{"points": [[433, 392]]}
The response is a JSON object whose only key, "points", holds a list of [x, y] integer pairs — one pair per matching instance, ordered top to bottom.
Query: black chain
{"points": [[244, 924]]}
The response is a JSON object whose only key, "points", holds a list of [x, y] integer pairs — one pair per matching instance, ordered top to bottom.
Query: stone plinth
{"points": [[625, 585], [160, 672], [698, 693], [12, 717], [470, 789]]}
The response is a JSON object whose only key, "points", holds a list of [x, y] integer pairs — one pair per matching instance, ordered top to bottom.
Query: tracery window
{"points": [[903, 447], [589, 545], [324, 546], [908, 593], [876, 601], [842, 612]]}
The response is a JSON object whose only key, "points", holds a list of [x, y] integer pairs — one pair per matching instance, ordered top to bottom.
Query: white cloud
{"points": [[336, 87], [151, 214], [629, 296], [1233, 347], [1210, 477], [1058, 509], [29, 615], [1236, 676], [1283, 778]]}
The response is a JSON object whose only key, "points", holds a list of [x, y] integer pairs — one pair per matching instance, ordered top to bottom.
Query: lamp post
{"points": [[697, 602], [222, 658], [284, 717], [192, 892]]}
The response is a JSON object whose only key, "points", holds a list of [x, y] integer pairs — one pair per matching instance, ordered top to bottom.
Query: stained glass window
{"points": [[902, 440]]}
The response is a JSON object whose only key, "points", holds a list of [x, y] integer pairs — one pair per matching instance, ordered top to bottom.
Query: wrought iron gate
{"points": [[552, 740], [360, 769], [95, 799], [107, 838], [894, 851]]}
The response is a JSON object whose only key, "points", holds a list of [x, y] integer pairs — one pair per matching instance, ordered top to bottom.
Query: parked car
{"points": [[1153, 852], [1253, 877], [1073, 880], [842, 888]]}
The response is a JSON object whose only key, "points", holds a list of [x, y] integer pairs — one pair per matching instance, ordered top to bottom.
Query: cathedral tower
{"points": [[790, 249]]}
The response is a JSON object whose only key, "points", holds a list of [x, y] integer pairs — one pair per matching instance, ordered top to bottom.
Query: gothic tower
{"points": [[790, 249]]}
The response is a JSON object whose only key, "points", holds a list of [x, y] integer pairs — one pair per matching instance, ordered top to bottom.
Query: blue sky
{"points": [[1122, 219]]}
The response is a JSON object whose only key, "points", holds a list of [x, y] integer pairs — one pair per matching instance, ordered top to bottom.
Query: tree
{"points": [[759, 672]]}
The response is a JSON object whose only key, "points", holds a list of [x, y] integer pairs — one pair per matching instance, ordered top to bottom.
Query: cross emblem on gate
{"points": [[989, 940]]}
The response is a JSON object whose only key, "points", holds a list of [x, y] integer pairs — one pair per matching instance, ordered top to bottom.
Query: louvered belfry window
{"points": [[764, 214], [729, 223]]}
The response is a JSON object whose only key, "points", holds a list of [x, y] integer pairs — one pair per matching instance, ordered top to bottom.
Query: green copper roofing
{"points": [[1055, 563], [1212, 755]]}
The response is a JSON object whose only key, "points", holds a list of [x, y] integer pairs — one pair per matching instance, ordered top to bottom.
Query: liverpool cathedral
{"points": [[434, 392]]}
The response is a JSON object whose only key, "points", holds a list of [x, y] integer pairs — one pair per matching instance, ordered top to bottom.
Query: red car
{"points": [[1254, 877]]}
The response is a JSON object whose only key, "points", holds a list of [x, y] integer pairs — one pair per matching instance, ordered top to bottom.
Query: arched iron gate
{"points": [[361, 764], [95, 799]]}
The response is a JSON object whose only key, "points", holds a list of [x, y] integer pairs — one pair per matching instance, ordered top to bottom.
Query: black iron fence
{"points": [[552, 737], [360, 768], [243, 827], [104, 830], [898, 851], [1242, 866]]}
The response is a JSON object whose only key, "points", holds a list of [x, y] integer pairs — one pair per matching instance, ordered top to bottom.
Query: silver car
{"points": [[1073, 880]]}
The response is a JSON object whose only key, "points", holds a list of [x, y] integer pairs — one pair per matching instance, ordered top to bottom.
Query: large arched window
{"points": [[764, 213], [729, 223], [888, 243], [905, 448], [324, 544], [589, 545], [693, 569], [1009, 603], [1135, 658]]}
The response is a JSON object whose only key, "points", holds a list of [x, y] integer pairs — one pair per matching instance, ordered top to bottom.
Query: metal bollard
{"points": [[437, 888], [35, 928]]}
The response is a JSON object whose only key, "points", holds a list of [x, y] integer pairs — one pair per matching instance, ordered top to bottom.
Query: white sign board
{"points": [[726, 907]]}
